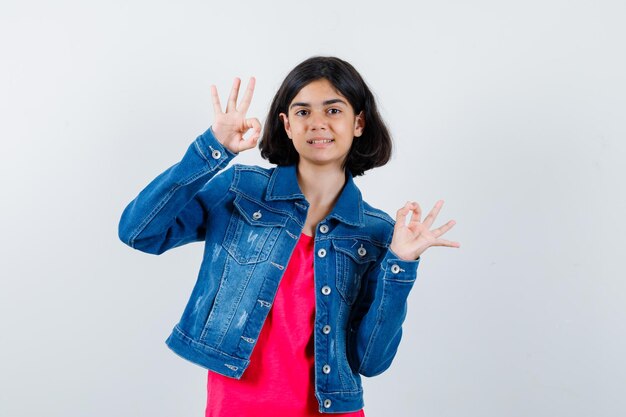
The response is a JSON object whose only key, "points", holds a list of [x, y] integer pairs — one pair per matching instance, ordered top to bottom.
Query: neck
{"points": [[321, 185]]}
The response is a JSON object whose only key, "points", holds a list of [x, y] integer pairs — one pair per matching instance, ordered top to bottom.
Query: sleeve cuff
{"points": [[212, 151], [397, 269]]}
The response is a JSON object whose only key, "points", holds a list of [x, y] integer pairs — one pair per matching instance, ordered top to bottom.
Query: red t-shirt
{"points": [[280, 380]]}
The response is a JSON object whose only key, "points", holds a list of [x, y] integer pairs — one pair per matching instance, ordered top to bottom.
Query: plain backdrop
{"points": [[512, 112]]}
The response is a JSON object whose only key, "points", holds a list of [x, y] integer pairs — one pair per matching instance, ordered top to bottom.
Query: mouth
{"points": [[320, 140]]}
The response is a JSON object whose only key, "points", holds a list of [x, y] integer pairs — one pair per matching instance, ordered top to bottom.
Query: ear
{"points": [[285, 120], [359, 124]]}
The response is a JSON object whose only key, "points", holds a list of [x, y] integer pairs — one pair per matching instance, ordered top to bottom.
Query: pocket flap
{"points": [[258, 214], [360, 251]]}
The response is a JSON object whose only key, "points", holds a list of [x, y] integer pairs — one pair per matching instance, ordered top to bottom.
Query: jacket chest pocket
{"points": [[252, 231], [353, 258]]}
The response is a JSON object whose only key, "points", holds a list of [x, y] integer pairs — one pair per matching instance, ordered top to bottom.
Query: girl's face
{"points": [[321, 124]]}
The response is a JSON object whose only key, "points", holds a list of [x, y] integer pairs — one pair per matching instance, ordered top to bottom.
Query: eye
{"points": [[334, 111], [301, 112]]}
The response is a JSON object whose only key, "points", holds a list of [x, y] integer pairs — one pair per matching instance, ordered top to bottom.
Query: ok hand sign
{"points": [[230, 127], [410, 241]]}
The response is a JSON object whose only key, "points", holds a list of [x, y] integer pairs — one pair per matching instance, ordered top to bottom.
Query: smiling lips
{"points": [[319, 141]]}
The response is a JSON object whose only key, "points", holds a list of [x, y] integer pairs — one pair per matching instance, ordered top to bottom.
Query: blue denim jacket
{"points": [[250, 219]]}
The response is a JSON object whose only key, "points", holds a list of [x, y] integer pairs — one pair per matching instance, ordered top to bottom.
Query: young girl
{"points": [[303, 285]]}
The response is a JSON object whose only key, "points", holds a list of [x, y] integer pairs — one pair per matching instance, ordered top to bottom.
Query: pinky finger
{"points": [[446, 243]]}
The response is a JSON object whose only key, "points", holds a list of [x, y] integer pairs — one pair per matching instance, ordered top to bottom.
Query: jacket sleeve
{"points": [[173, 208], [376, 326]]}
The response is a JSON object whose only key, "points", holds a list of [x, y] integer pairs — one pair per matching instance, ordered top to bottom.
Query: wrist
{"points": [[217, 133], [211, 148], [402, 255]]}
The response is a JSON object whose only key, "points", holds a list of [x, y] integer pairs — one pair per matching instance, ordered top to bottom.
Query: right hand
{"points": [[230, 127]]}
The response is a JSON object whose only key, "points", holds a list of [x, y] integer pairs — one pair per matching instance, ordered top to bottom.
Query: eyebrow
{"points": [[326, 103]]}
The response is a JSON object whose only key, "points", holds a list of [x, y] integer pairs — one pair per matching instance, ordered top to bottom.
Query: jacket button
{"points": [[216, 154], [256, 215], [324, 228], [362, 251], [321, 253], [395, 268], [325, 290], [326, 329], [326, 369], [327, 403]]}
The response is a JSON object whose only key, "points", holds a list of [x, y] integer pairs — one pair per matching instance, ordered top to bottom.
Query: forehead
{"points": [[318, 91]]}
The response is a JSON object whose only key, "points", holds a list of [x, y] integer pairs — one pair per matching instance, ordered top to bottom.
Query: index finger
{"points": [[247, 97], [217, 107], [417, 213], [401, 215]]}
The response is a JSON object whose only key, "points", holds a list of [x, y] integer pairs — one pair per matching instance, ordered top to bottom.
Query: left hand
{"points": [[409, 241]]}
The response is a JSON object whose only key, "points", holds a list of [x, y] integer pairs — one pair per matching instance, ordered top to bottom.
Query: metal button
{"points": [[216, 154], [256, 215], [324, 228], [362, 251], [321, 253], [395, 268], [325, 290], [326, 329], [326, 369], [327, 403]]}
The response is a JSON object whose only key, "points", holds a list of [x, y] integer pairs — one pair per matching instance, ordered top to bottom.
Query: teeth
{"points": [[321, 141]]}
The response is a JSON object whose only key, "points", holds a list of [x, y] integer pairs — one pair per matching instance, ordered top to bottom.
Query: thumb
{"points": [[254, 124]]}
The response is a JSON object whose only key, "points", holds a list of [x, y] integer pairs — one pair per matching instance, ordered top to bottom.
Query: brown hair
{"points": [[372, 149]]}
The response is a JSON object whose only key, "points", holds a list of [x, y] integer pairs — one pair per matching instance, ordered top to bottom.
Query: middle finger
{"points": [[232, 99]]}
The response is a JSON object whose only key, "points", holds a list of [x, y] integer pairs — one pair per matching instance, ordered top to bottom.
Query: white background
{"points": [[512, 112]]}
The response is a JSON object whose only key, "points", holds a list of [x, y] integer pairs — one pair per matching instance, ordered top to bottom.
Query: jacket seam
{"points": [[200, 151], [259, 170], [211, 207], [289, 214], [382, 216], [141, 227], [359, 237], [238, 302], [375, 331], [195, 343], [341, 392]]}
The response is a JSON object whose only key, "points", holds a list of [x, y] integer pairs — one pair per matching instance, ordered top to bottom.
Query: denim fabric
{"points": [[250, 219]]}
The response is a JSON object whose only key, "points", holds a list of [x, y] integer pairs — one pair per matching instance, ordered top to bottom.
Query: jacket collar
{"points": [[283, 185]]}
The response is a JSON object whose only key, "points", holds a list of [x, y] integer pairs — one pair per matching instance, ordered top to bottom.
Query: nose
{"points": [[317, 120]]}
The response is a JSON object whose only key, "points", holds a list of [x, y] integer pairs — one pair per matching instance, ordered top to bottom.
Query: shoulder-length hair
{"points": [[372, 149]]}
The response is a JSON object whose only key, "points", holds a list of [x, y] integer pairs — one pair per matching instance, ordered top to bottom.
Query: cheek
{"points": [[346, 126], [298, 127]]}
